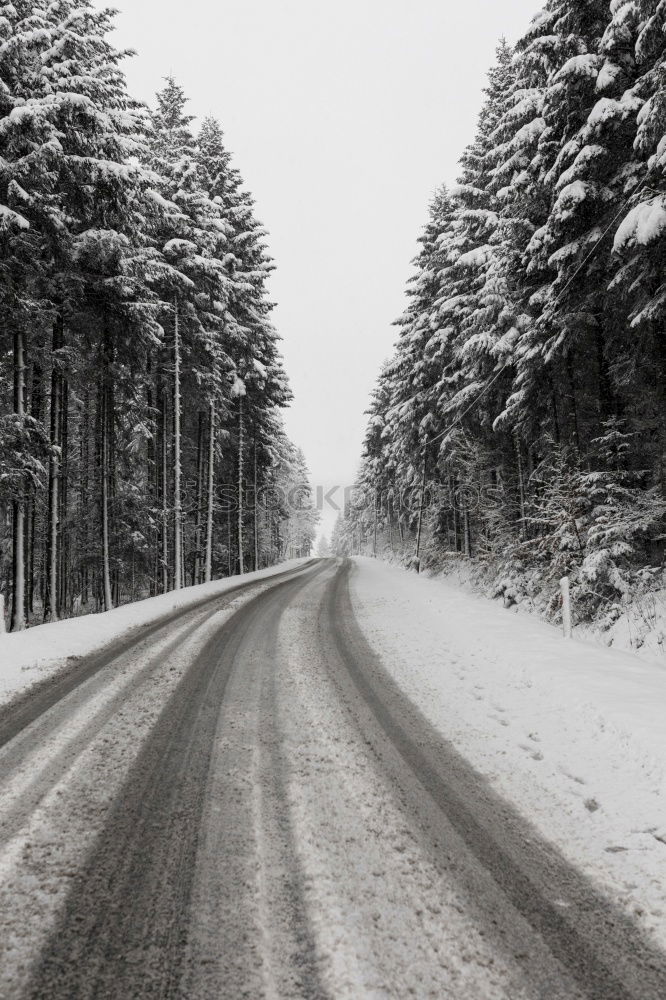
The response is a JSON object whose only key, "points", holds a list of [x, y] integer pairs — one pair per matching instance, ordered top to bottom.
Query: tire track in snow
{"points": [[20, 712], [126, 921], [601, 953]]}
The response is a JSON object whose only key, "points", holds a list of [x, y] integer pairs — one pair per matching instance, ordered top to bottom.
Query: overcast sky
{"points": [[343, 118]]}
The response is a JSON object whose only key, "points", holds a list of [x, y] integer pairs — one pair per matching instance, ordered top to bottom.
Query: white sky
{"points": [[343, 119]]}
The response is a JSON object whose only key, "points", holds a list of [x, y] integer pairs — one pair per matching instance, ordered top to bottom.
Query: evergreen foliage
{"points": [[133, 305], [527, 384]]}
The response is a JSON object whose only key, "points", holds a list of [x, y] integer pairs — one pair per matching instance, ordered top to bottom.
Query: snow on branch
{"points": [[645, 224]]}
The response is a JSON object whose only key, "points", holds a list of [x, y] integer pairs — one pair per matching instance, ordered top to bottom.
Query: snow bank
{"points": [[26, 658], [570, 732]]}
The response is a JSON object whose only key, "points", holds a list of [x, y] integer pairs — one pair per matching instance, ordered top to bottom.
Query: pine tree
{"points": [[116, 260], [529, 341]]}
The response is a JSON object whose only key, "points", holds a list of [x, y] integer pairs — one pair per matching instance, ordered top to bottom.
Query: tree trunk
{"points": [[571, 377], [607, 399], [36, 403], [555, 411], [660, 471], [152, 477], [211, 486], [521, 488], [165, 489], [177, 508], [256, 508], [454, 508], [421, 510], [84, 518], [198, 520], [390, 521], [32, 522], [467, 527], [18, 539], [374, 542], [63, 554], [229, 561], [106, 562], [241, 568], [51, 602]]}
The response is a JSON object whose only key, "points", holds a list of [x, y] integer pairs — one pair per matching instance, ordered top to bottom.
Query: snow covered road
{"points": [[244, 803]]}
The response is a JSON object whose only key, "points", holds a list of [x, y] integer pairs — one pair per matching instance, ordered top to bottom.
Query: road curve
{"points": [[22, 711], [244, 804]]}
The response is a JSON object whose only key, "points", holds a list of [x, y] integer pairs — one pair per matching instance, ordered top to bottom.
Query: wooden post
{"points": [[566, 607]]}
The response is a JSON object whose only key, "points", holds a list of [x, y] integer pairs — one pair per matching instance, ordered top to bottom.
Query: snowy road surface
{"points": [[243, 803]]}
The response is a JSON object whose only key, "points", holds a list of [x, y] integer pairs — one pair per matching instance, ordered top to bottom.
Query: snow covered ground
{"points": [[27, 658], [571, 733]]}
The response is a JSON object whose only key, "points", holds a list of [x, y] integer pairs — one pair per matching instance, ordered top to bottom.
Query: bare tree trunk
{"points": [[36, 403], [574, 404], [555, 411], [104, 427], [241, 442], [152, 475], [211, 486], [521, 488], [165, 502], [177, 503], [454, 507], [256, 508], [421, 510], [84, 518], [390, 520], [198, 521], [32, 525], [467, 529], [18, 539], [374, 542], [63, 555], [229, 565], [51, 604]]}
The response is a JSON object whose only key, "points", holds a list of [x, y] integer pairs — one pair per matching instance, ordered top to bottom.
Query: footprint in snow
{"points": [[534, 754], [572, 777]]}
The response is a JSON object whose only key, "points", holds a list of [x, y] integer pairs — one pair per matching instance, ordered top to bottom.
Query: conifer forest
{"points": [[140, 371], [527, 389]]}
